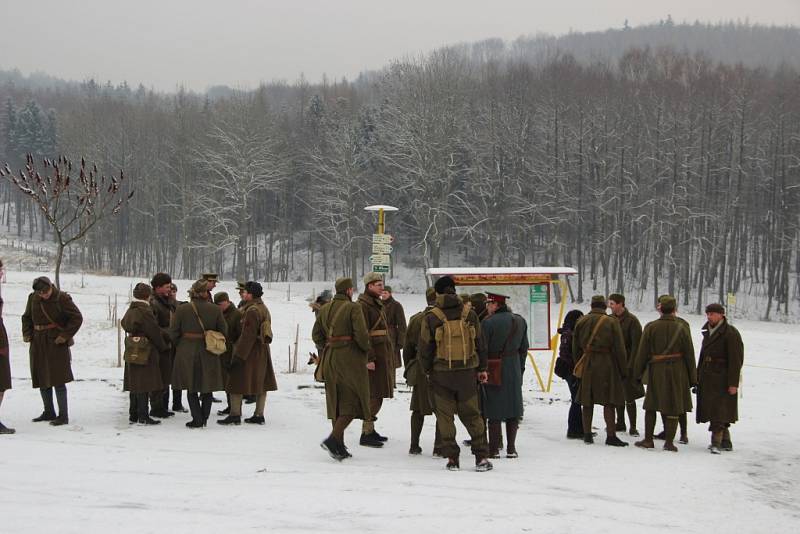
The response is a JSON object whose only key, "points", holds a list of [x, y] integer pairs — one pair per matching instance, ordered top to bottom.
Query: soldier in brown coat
{"points": [[163, 307], [233, 318], [396, 321], [49, 323], [631, 332], [340, 335], [600, 338], [667, 355], [5, 365], [719, 369], [196, 370], [251, 371], [381, 377], [140, 380], [421, 404]]}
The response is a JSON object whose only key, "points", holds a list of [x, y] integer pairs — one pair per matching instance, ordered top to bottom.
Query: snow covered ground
{"points": [[101, 474]]}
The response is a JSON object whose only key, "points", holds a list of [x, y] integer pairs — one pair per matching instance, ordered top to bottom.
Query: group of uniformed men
{"points": [[166, 343], [463, 355], [617, 358]]}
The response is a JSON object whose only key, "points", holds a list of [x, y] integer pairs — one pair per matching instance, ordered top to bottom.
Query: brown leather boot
{"points": [[670, 428], [495, 429]]}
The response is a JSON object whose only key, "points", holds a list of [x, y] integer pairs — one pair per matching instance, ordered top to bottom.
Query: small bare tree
{"points": [[71, 207]]}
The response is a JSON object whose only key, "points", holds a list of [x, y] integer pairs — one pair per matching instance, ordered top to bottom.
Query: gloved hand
{"points": [[26, 339], [60, 340]]}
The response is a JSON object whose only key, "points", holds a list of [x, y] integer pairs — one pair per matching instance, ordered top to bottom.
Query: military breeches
{"points": [[447, 404]]}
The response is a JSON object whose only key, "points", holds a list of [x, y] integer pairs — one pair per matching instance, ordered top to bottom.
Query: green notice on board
{"points": [[539, 294]]}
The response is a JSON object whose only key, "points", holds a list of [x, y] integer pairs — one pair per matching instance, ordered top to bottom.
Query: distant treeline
{"points": [[658, 169]]}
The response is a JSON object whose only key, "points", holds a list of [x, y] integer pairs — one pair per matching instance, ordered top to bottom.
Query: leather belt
{"points": [[40, 327], [378, 333], [193, 335], [334, 339], [666, 357]]}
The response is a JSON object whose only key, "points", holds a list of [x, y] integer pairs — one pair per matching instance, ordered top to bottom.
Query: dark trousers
{"points": [[61, 397], [138, 406], [574, 421]]}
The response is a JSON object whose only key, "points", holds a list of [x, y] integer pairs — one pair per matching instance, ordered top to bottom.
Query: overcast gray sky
{"points": [[198, 43]]}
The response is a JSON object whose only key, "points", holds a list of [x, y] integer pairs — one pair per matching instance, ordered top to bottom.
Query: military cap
{"points": [[211, 277], [371, 278], [160, 279], [42, 284], [343, 284], [445, 284], [240, 285], [200, 286], [254, 288], [387, 288], [142, 291], [430, 295], [221, 297], [324, 297], [496, 297], [617, 297], [464, 298], [477, 298], [599, 301], [667, 303], [715, 308]]}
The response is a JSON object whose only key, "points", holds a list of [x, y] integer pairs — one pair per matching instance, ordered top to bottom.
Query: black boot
{"points": [[206, 401], [177, 404], [63, 409], [196, 410], [49, 412], [231, 420], [255, 420], [495, 429], [5, 430], [370, 440], [335, 448]]}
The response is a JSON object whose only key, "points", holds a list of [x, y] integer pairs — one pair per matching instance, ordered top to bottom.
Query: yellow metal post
{"points": [[380, 221], [554, 342]]}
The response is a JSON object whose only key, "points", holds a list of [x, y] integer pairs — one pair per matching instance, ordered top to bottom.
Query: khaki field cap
{"points": [[211, 277], [371, 278], [343, 284], [200, 286], [221, 297], [598, 300], [715, 308]]}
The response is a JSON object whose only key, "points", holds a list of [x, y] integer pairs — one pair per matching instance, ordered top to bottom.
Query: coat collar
{"points": [[366, 298]]}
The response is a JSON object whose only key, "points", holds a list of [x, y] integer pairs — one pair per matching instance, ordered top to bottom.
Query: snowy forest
{"points": [[663, 159]]}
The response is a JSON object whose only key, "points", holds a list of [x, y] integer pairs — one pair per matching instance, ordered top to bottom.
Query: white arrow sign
{"points": [[383, 239], [379, 248], [379, 259]]}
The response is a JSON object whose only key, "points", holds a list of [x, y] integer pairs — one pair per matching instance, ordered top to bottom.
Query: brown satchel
{"points": [[215, 341], [584, 359], [495, 368], [319, 375]]}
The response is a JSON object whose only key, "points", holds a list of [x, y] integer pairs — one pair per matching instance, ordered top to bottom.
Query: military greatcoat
{"points": [[140, 321], [607, 365], [719, 367], [196, 370]]}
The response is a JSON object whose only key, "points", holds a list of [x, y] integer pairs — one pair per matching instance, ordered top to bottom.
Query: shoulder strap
{"points": [[41, 306], [439, 314], [198, 317], [335, 317], [595, 329], [510, 335], [674, 338]]}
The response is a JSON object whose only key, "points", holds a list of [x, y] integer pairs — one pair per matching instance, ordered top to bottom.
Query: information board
{"points": [[539, 324]]}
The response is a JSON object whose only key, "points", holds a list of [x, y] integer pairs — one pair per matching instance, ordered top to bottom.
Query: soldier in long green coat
{"points": [[233, 318], [49, 323], [631, 332], [506, 337], [600, 337], [342, 341], [666, 353], [5, 364], [720, 367], [196, 370], [251, 371], [381, 379], [141, 380], [421, 402], [683, 423]]}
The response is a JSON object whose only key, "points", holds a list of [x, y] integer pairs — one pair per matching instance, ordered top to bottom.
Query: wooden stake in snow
{"points": [[119, 343], [296, 344]]}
